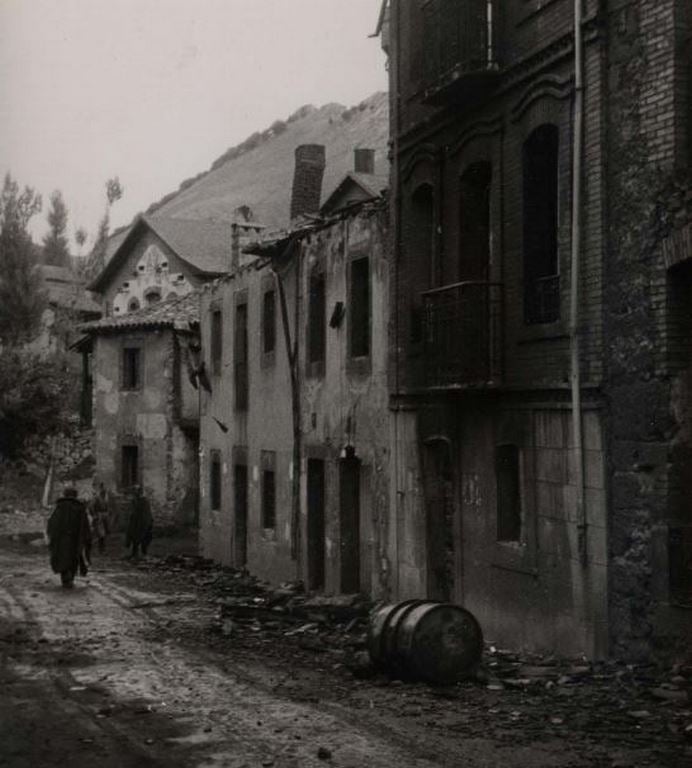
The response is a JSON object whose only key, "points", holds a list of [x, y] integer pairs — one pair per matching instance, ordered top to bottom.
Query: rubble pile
{"points": [[253, 613], [316, 647]]}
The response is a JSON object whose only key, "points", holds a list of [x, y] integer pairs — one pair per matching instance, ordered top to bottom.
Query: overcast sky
{"points": [[154, 90]]}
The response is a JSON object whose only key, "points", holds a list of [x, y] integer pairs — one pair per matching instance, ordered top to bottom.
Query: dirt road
{"points": [[113, 674]]}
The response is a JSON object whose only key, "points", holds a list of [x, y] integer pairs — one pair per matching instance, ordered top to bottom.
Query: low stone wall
{"points": [[71, 452]]}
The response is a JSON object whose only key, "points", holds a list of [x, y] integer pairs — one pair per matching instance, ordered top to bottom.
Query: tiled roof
{"points": [[259, 172], [370, 183], [205, 244], [181, 313]]}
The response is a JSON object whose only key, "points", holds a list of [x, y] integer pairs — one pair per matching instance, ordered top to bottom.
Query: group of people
{"points": [[75, 524]]}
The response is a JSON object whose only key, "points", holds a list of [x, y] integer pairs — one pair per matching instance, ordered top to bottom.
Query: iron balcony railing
{"points": [[457, 42], [462, 334]]}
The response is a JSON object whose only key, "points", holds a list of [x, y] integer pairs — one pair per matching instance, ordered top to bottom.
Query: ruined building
{"points": [[541, 345], [146, 405], [145, 415], [295, 430]]}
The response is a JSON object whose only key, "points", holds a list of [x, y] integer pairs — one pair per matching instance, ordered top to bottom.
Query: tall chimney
{"points": [[364, 160], [307, 179]]}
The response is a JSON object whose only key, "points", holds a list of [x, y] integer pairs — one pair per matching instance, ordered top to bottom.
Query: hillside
{"points": [[259, 171]]}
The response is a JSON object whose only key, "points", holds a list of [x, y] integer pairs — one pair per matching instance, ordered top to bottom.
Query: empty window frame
{"points": [[474, 222], [540, 226], [421, 244], [269, 321], [317, 335], [359, 337], [216, 341], [240, 358], [132, 367], [268, 462], [129, 466], [507, 469], [215, 480]]}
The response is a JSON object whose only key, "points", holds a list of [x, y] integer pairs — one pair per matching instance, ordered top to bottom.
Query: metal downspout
{"points": [[576, 239], [293, 364], [399, 498]]}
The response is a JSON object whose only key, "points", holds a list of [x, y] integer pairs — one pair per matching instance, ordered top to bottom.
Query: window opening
{"points": [[474, 222], [421, 233], [541, 273], [360, 307], [316, 318], [269, 321], [216, 341], [240, 355], [131, 367], [129, 466], [215, 480], [268, 489], [508, 493]]}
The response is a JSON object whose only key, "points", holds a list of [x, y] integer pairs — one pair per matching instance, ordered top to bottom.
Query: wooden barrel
{"points": [[426, 640]]}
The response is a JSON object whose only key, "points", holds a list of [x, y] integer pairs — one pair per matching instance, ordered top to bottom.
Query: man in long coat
{"points": [[141, 523], [69, 537]]}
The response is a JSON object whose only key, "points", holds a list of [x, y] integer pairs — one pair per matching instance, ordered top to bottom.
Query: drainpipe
{"points": [[395, 201], [576, 236], [293, 365]]}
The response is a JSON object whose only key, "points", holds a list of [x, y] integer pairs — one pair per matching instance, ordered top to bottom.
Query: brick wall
{"points": [[642, 144]]}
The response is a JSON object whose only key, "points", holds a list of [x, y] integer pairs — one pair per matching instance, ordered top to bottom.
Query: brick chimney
{"points": [[364, 160], [307, 179]]}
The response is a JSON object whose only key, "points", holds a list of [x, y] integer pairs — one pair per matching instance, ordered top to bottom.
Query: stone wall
{"points": [[71, 451]]}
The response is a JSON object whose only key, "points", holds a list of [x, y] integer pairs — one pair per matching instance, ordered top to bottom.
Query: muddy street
{"points": [[129, 668]]}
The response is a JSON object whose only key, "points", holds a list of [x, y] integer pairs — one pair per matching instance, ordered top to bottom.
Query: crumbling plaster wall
{"points": [[347, 404], [143, 417], [265, 426]]}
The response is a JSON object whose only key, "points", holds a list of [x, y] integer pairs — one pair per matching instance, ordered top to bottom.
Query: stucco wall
{"points": [[347, 403], [144, 417], [265, 426]]}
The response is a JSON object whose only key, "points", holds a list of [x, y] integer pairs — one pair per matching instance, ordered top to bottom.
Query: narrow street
{"points": [[128, 669]]}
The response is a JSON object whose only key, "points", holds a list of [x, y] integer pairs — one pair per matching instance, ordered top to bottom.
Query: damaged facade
{"points": [[541, 344], [142, 404], [145, 407], [295, 431]]}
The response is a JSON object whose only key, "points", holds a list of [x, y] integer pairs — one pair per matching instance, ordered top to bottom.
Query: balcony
{"points": [[459, 57], [462, 326]]}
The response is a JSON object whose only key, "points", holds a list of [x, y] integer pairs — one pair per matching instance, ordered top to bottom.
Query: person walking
{"points": [[99, 510], [141, 523], [69, 537]]}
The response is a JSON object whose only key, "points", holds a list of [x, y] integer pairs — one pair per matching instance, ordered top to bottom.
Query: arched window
{"points": [[474, 222], [421, 231], [541, 267], [152, 296]]}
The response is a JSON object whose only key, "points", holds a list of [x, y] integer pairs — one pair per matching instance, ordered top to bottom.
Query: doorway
{"points": [[240, 507], [349, 513], [439, 523], [315, 524]]}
